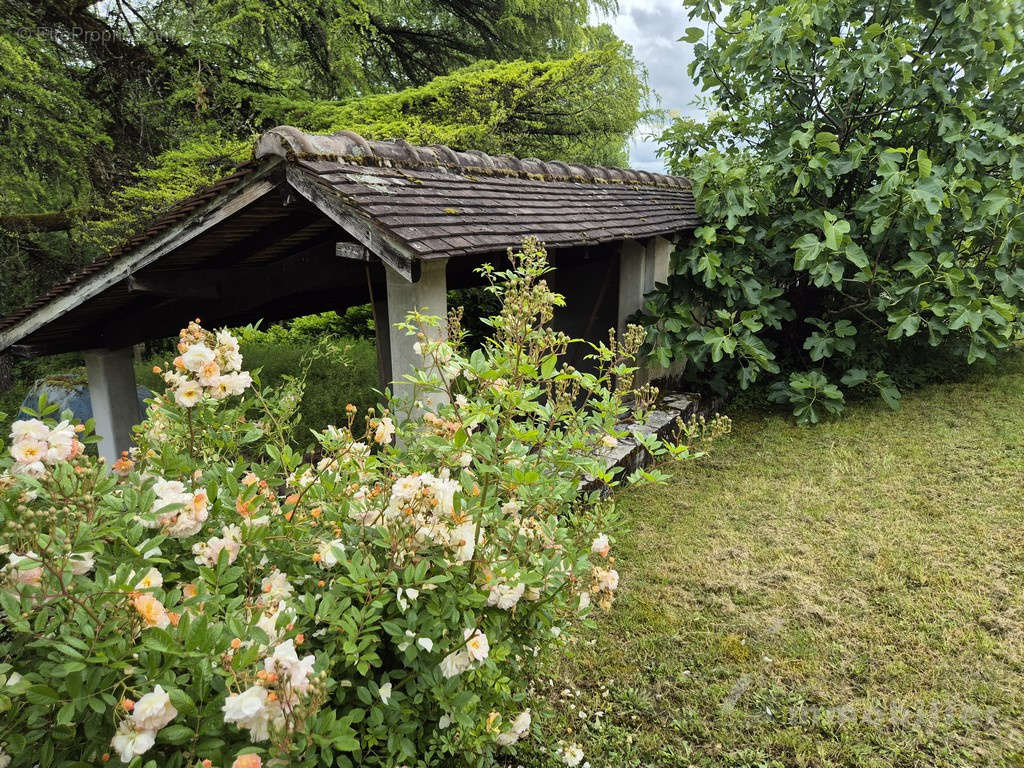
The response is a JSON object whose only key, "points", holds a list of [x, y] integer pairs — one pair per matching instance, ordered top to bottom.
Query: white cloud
{"points": [[653, 28]]}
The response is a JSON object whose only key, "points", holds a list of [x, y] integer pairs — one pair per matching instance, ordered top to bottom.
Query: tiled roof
{"points": [[437, 202], [442, 203]]}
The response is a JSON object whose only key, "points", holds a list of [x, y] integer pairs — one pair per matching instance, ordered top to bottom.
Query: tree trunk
{"points": [[54, 221]]}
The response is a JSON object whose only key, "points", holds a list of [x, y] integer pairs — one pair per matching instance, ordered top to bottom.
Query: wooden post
{"points": [[382, 332], [6, 371]]}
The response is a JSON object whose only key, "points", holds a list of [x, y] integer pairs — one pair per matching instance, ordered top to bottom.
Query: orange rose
{"points": [[151, 610]]}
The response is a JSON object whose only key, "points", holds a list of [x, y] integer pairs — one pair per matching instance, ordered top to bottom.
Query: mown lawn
{"points": [[846, 595]]}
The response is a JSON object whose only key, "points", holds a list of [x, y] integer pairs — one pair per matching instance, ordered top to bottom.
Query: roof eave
{"points": [[231, 200]]}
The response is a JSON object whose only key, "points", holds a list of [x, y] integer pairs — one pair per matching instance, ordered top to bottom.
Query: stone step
{"points": [[662, 421]]}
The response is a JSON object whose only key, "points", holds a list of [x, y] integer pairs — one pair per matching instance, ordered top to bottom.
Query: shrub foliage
{"points": [[860, 180], [220, 596]]}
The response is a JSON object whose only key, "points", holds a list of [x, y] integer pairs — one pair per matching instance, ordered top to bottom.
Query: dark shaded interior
{"points": [[276, 259]]}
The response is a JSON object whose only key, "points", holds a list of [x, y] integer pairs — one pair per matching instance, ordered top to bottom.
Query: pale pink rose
{"points": [[20, 571]]}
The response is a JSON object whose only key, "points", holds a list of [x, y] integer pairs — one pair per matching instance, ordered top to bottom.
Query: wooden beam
{"points": [[230, 202], [264, 238], [384, 244], [353, 251], [174, 285], [237, 290], [183, 294], [28, 350]]}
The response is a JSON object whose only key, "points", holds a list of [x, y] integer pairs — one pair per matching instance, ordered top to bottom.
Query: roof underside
{"points": [[262, 243]]}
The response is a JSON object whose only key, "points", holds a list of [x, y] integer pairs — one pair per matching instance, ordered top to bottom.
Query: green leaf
{"points": [[692, 35], [924, 165], [993, 203], [856, 255], [906, 325], [854, 377], [891, 396], [159, 640], [181, 701], [66, 714], [176, 734]]}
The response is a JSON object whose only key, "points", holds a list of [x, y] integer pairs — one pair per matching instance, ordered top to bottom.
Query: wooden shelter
{"points": [[315, 223]]}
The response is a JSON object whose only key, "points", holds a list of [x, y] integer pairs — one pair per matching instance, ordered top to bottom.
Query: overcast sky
{"points": [[653, 28]]}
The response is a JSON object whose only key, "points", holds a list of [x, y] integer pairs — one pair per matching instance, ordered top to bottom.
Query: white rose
{"points": [[197, 356], [235, 383], [188, 394], [31, 429], [384, 432], [63, 434], [29, 451], [35, 469], [168, 488], [511, 507], [462, 539], [329, 552], [81, 563], [152, 579], [606, 580], [276, 587], [505, 596], [268, 620], [476, 644], [285, 661], [455, 663], [246, 706], [154, 710], [522, 722], [519, 728], [129, 743], [572, 755]]}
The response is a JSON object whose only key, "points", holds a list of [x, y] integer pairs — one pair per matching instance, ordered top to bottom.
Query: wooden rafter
{"points": [[233, 200]]}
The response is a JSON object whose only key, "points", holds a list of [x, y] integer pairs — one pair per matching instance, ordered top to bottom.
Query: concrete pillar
{"points": [[661, 248], [632, 260], [641, 266], [428, 295], [115, 399]]}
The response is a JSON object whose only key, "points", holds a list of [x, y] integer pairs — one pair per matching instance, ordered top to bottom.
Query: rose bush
{"points": [[219, 598]]}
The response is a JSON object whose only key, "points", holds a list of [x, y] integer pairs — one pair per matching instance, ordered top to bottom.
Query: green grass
{"points": [[846, 595]]}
